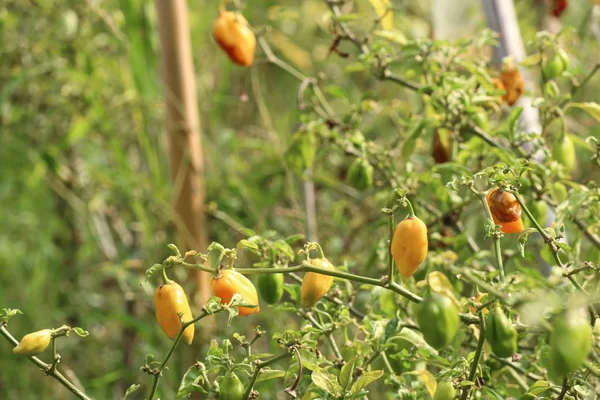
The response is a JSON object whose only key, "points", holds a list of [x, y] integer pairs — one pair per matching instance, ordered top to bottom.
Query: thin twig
{"points": [[477, 357], [48, 368], [158, 371]]}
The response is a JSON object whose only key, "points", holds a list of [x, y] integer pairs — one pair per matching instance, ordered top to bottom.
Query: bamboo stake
{"points": [[183, 123]]}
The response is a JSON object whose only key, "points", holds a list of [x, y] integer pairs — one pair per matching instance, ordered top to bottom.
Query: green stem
{"points": [[273, 59], [575, 89], [483, 135], [411, 210], [595, 240], [549, 241], [497, 247], [320, 250], [390, 257], [201, 267], [305, 267], [164, 276], [482, 284], [328, 335], [334, 346], [55, 357], [477, 358], [260, 365], [46, 367], [389, 368], [592, 368], [157, 374], [533, 377], [519, 379], [565, 388]]}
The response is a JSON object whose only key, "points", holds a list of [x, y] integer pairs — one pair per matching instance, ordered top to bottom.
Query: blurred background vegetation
{"points": [[85, 197]]}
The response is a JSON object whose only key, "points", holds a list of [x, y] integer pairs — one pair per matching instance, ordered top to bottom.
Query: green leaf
{"points": [[394, 36], [533, 59], [355, 67], [336, 91], [591, 108], [513, 120], [416, 129], [301, 153], [294, 238], [523, 240], [245, 244], [214, 246], [282, 247], [564, 247], [175, 249], [156, 268], [8, 313], [232, 313], [391, 328], [81, 332], [214, 351], [149, 359], [269, 374], [345, 377], [365, 380], [191, 381], [327, 382], [539, 387], [131, 389], [536, 389], [583, 391], [491, 393]]}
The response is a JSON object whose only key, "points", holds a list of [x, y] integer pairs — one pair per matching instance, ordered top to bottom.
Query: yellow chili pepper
{"points": [[409, 245], [315, 285], [170, 301], [34, 343]]}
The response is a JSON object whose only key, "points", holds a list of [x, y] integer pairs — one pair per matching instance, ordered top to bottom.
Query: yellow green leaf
{"points": [[383, 8], [291, 50], [427, 378]]}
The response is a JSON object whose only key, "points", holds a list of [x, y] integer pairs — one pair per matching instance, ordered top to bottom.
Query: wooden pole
{"points": [[502, 17], [183, 123]]}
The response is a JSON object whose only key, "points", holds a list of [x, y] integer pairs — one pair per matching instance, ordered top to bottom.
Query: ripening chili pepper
{"points": [[558, 7], [233, 33], [555, 65], [514, 84], [441, 147], [563, 151], [360, 174], [506, 210], [409, 245], [230, 282], [315, 285], [270, 287], [170, 301], [478, 302], [438, 319], [501, 334], [570, 342], [34, 343], [231, 387], [445, 391]]}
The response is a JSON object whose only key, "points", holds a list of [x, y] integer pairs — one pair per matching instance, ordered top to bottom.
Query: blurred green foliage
{"points": [[84, 183]]}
